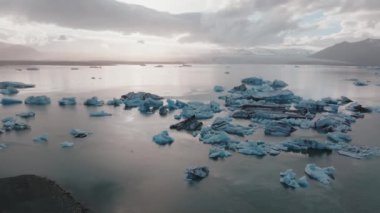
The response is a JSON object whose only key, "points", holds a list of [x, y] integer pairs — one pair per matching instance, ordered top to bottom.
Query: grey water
{"points": [[119, 169]]}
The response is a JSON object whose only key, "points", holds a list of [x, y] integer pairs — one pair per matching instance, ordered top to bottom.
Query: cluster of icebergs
{"points": [[264, 104]]}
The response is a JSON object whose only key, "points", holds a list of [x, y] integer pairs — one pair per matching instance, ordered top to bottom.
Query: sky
{"points": [[176, 29]]}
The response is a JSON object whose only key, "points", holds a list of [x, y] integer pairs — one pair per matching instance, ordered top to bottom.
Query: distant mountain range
{"points": [[17, 52], [363, 53]]}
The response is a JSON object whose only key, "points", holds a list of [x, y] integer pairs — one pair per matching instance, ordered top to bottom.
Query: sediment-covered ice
{"points": [[78, 133], [196, 173]]}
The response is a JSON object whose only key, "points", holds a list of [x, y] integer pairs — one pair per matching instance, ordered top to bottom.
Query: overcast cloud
{"points": [[238, 23]]}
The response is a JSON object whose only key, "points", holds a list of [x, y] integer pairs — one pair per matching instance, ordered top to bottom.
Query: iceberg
{"points": [[253, 81], [278, 84], [18, 85], [218, 88], [9, 91], [140, 96], [37, 100], [9, 101], [67, 101], [94, 101], [114, 102], [150, 105], [356, 107], [200, 110], [163, 111], [29, 114], [100, 114], [334, 123], [11, 124], [191, 124], [223, 124], [279, 128], [78, 133], [210, 136], [338, 137], [163, 138], [41, 139], [67, 144], [299, 145], [252, 148], [216, 153], [196, 173], [323, 175], [288, 178]]}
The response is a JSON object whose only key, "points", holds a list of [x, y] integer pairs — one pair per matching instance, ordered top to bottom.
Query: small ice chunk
{"points": [[253, 81], [18, 85], [218, 88], [9, 91], [37, 100], [10, 101], [67, 101], [94, 101], [114, 102], [29, 114], [100, 114], [279, 128], [78, 133], [163, 138], [41, 139], [67, 144], [216, 152], [196, 173], [323, 175], [289, 179]]}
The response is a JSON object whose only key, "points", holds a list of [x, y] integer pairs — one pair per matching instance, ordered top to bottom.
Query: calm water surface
{"points": [[119, 169]]}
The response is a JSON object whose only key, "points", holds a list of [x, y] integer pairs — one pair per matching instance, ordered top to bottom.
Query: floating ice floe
{"points": [[278, 84], [18, 85], [218, 88], [9, 91], [37, 100], [10, 101], [67, 101], [94, 101], [114, 102], [150, 105], [200, 110], [29, 114], [100, 114], [334, 123], [12, 124], [223, 124], [279, 128], [78, 133], [338, 137], [163, 138], [220, 138], [41, 139], [67, 144], [301, 145], [252, 148], [216, 152], [196, 173], [323, 175], [288, 178]]}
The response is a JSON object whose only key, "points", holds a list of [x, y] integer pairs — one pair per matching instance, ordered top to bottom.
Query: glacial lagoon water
{"points": [[119, 169]]}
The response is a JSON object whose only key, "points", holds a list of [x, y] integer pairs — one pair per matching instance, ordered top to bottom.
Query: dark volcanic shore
{"points": [[31, 193]]}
